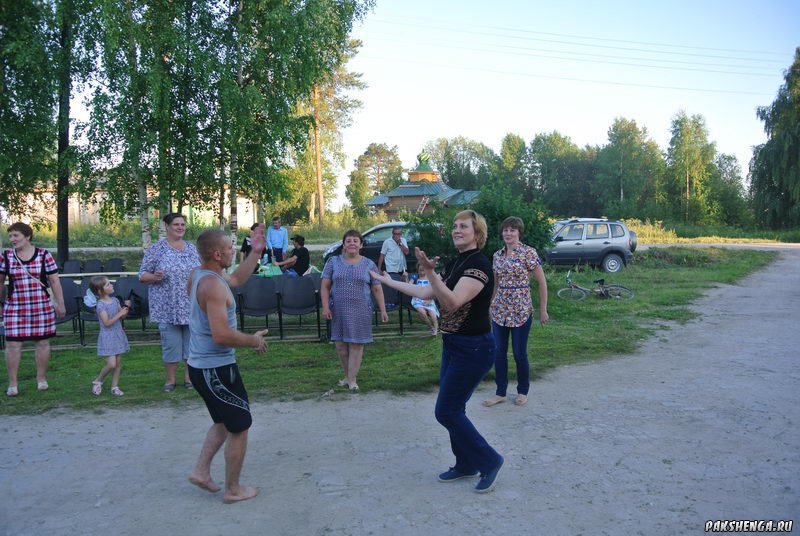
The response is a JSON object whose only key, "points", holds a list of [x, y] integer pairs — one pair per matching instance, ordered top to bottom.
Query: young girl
{"points": [[426, 308], [111, 342]]}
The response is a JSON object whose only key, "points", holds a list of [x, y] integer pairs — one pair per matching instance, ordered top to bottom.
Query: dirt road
{"points": [[700, 424]]}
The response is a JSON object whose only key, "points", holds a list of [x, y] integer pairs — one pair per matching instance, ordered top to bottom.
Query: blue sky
{"points": [[481, 69]]}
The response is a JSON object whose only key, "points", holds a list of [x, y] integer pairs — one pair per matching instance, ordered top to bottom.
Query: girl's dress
{"points": [[351, 299], [430, 305], [28, 314], [112, 339]]}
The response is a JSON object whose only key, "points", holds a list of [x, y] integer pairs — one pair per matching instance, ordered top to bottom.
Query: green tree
{"points": [[27, 102], [331, 106], [690, 160], [462, 163], [512, 163], [382, 167], [775, 167], [628, 169], [561, 174], [358, 192], [726, 194]]}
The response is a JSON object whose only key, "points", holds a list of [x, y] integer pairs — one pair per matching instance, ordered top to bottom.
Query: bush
{"points": [[495, 203]]}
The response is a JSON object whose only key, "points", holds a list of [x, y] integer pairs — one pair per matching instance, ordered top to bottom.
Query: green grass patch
{"points": [[666, 282]]}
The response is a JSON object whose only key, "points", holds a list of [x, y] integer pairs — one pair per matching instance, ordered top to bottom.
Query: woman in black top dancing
{"points": [[464, 292]]}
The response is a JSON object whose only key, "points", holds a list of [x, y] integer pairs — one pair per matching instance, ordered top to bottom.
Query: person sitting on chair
{"points": [[298, 262]]}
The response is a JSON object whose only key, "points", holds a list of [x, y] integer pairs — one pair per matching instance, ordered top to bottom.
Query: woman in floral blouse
{"points": [[166, 267], [512, 308]]}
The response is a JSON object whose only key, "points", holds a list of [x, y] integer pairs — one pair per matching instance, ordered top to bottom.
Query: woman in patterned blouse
{"points": [[166, 267], [512, 308]]}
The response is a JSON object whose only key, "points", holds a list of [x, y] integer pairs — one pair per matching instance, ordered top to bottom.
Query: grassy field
{"points": [[666, 281]]}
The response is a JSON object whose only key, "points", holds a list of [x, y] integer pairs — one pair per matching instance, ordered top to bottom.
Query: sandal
{"points": [[342, 382], [42, 385], [188, 385], [168, 387], [353, 387], [97, 388], [12, 391], [116, 391], [521, 400]]}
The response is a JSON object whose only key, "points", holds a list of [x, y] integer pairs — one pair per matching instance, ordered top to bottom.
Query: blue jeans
{"points": [[519, 345], [465, 361]]}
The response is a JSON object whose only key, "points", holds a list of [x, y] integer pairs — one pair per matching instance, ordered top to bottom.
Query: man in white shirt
{"points": [[394, 253]]}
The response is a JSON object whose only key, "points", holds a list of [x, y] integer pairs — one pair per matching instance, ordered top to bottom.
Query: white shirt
{"points": [[393, 256]]}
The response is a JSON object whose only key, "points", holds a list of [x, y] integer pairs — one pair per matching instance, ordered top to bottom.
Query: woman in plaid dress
{"points": [[27, 312]]}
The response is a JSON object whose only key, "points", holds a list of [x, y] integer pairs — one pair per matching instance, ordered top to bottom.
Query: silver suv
{"points": [[594, 241]]}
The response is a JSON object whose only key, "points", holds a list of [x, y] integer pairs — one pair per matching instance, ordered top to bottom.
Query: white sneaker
{"points": [[342, 382], [43, 386], [12, 391]]}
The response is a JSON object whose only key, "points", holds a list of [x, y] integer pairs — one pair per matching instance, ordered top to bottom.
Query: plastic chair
{"points": [[115, 265], [92, 266], [71, 267], [258, 297], [298, 297], [391, 300], [72, 301]]}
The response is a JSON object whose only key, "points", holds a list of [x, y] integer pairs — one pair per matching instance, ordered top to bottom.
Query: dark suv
{"points": [[373, 241], [608, 244]]}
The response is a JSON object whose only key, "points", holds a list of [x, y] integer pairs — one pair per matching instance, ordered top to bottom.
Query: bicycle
{"points": [[575, 292]]}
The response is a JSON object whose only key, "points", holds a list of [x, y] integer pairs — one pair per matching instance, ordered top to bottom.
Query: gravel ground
{"points": [[701, 423]]}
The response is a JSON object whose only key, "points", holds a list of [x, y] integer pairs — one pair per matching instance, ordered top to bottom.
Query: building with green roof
{"points": [[424, 185]]}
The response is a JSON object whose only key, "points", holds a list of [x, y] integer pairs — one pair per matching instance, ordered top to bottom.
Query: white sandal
{"points": [[97, 388], [12, 391], [116, 391]]}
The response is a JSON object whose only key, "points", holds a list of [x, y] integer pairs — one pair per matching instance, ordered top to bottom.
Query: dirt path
{"points": [[701, 423]]}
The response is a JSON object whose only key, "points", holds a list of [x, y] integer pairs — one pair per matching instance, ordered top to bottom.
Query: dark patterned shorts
{"points": [[223, 391]]}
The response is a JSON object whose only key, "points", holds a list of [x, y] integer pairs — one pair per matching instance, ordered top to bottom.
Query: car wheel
{"points": [[612, 263]]}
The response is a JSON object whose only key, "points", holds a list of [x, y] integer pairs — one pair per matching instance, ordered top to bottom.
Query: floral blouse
{"points": [[169, 301], [512, 303]]}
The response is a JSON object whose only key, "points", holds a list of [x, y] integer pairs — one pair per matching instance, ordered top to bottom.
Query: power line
{"points": [[593, 38], [571, 43], [704, 66], [571, 79]]}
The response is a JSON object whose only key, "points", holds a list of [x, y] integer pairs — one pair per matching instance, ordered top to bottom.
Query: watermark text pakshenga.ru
{"points": [[748, 525]]}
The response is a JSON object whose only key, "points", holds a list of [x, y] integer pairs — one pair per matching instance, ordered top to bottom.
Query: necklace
{"points": [[458, 265]]}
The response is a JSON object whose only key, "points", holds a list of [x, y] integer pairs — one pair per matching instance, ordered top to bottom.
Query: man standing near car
{"points": [[277, 240], [394, 253]]}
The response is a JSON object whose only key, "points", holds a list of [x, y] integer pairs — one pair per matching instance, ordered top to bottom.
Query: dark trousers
{"points": [[275, 254], [519, 345], [465, 361]]}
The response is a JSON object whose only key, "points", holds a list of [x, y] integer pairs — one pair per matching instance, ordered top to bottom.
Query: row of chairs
{"points": [[92, 266], [282, 295]]}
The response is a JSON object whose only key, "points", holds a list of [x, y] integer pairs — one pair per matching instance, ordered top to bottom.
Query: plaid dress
{"points": [[28, 314]]}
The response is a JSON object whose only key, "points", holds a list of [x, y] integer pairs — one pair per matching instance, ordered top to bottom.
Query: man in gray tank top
{"points": [[212, 359]]}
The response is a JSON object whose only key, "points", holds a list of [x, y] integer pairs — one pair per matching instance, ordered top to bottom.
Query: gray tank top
{"points": [[203, 351]]}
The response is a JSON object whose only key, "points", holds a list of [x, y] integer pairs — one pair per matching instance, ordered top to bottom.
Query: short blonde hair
{"points": [[478, 225]]}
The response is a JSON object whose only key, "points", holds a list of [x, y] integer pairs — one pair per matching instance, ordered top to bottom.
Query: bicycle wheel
{"points": [[618, 292], [571, 294]]}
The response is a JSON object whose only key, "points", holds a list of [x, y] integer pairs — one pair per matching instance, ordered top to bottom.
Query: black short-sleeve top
{"points": [[303, 260], [472, 318]]}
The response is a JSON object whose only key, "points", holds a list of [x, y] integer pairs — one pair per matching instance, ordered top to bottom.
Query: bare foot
{"points": [[521, 400], [494, 401], [204, 483], [244, 493]]}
